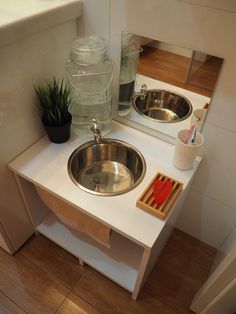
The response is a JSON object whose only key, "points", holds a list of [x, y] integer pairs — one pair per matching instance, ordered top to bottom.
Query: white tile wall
{"points": [[227, 5], [21, 19], [95, 19], [30, 61], [222, 111], [217, 175], [211, 206], [206, 218], [226, 248]]}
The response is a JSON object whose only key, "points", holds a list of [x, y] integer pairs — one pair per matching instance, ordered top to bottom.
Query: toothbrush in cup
{"points": [[190, 136]]}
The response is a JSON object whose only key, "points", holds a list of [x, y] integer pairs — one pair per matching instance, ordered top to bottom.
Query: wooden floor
{"points": [[172, 68], [43, 278]]}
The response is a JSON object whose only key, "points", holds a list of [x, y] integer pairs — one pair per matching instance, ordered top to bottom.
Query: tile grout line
{"points": [[206, 6], [220, 127], [194, 189], [46, 271], [80, 277], [54, 278], [72, 291], [80, 295], [13, 301], [63, 301], [87, 302], [92, 305], [174, 309]]}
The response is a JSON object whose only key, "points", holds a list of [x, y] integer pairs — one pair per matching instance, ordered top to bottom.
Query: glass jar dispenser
{"points": [[130, 50], [90, 73]]}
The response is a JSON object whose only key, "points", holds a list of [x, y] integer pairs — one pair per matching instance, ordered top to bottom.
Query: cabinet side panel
{"points": [[24, 64], [4, 241]]}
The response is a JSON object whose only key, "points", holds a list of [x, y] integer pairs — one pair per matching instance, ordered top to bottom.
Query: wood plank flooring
{"points": [[172, 68], [43, 278]]}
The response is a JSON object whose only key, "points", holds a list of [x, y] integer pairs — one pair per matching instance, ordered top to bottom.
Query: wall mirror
{"points": [[165, 87]]}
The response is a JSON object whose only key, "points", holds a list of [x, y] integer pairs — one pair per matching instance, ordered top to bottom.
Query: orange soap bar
{"points": [[161, 191]]}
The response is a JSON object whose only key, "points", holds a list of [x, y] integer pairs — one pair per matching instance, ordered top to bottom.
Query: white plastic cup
{"points": [[198, 117], [185, 154]]}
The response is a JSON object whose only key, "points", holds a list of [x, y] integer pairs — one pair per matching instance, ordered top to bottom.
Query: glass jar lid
{"points": [[126, 39], [129, 45], [88, 50]]}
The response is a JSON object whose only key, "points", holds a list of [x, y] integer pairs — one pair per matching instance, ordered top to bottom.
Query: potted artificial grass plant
{"points": [[54, 100]]}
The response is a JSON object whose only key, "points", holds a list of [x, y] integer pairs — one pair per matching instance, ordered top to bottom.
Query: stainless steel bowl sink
{"points": [[162, 106], [108, 167]]}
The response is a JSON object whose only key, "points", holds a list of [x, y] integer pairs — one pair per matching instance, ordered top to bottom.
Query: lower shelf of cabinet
{"points": [[120, 263]]}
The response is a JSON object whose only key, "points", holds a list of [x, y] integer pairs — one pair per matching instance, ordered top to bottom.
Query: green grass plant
{"points": [[54, 99]]}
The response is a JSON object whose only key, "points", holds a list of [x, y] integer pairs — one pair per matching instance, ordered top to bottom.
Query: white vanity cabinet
{"points": [[137, 237]]}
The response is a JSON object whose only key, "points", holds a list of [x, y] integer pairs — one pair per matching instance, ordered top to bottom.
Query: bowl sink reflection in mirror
{"points": [[162, 106], [109, 167]]}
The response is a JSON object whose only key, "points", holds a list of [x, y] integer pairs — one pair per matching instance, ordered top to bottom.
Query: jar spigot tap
{"points": [[96, 129]]}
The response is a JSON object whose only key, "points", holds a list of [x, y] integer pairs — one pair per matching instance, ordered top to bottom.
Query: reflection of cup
{"points": [[198, 117], [185, 154]]}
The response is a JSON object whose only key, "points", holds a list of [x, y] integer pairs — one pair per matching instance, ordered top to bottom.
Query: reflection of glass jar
{"points": [[130, 50], [90, 73]]}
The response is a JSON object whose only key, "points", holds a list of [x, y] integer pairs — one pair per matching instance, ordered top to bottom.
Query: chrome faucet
{"points": [[143, 91], [95, 128]]}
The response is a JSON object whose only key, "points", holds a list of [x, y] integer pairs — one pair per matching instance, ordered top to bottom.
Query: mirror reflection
{"points": [[163, 86]]}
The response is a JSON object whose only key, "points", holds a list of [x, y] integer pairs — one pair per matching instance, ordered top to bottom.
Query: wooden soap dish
{"points": [[146, 200]]}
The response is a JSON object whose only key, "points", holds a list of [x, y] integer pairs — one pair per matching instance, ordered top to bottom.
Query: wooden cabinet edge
{"points": [[5, 242]]}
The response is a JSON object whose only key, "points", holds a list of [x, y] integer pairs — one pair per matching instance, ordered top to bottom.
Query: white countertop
{"points": [[20, 18], [45, 164]]}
